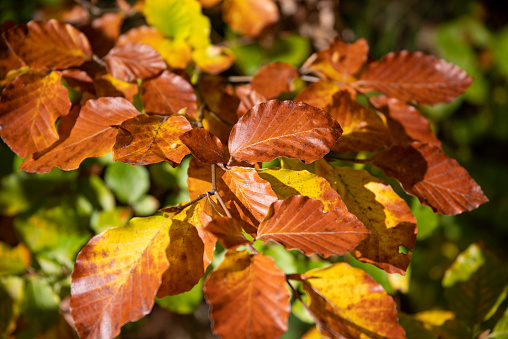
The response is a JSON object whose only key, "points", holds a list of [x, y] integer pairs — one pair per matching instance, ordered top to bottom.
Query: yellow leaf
{"points": [[213, 59]]}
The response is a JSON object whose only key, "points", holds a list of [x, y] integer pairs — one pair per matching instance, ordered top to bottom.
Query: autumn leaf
{"points": [[249, 17], [103, 32], [46, 45], [213, 59], [134, 61], [339, 61], [414, 77], [273, 79], [78, 80], [107, 86], [167, 94], [319, 94], [252, 99], [29, 108], [404, 121], [283, 129], [363, 130], [90, 135], [146, 139], [205, 146], [436, 180], [202, 216], [299, 222], [228, 231], [14, 260], [116, 276], [247, 297], [348, 303]]}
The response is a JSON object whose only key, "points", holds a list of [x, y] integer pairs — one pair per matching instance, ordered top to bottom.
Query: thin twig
{"points": [[98, 60], [240, 78], [310, 78], [219, 198], [178, 209], [299, 297]]}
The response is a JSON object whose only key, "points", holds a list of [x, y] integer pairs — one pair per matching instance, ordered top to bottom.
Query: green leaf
{"points": [[129, 183], [96, 191], [146, 206], [426, 219], [104, 220], [13, 260], [473, 284], [11, 294], [183, 303], [40, 304], [414, 329], [500, 331]]}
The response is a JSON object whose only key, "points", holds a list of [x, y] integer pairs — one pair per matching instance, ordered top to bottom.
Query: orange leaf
{"points": [[209, 3], [249, 17], [103, 32], [143, 34], [46, 45], [213, 59], [8, 60], [339, 60], [134, 61], [414, 77], [273, 79], [78, 80], [107, 86], [167, 94], [319, 94], [219, 96], [252, 99], [29, 108], [406, 124], [283, 129], [363, 130], [90, 136], [146, 139], [205, 146], [436, 180], [381, 210], [202, 216], [299, 222], [228, 231], [116, 276], [247, 297], [348, 303]]}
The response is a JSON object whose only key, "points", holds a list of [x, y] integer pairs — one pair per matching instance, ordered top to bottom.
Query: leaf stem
{"points": [[240, 78], [309, 78], [219, 198], [178, 209], [299, 296]]}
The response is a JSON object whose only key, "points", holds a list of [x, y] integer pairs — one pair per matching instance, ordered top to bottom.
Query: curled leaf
{"points": [[205, 146], [228, 231]]}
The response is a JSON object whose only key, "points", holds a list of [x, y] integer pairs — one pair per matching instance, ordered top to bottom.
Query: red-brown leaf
{"points": [[103, 32], [45, 45], [134, 61], [415, 77], [273, 79], [167, 94], [219, 97], [252, 99], [29, 108], [283, 129], [90, 136], [146, 139], [205, 146], [436, 180], [299, 222], [228, 231], [248, 297]]}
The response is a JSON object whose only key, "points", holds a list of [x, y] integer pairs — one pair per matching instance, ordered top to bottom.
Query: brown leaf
{"points": [[249, 17], [103, 32], [143, 34], [46, 45], [8, 61], [134, 61], [339, 61], [415, 77], [273, 79], [78, 80], [107, 86], [167, 94], [319, 94], [219, 96], [250, 100], [29, 108], [406, 124], [283, 129], [363, 130], [90, 136], [146, 139], [205, 146], [436, 180], [299, 222], [228, 231], [247, 297], [348, 303]]}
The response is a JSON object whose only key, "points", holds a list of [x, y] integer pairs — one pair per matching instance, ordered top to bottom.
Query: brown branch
{"points": [[219, 198]]}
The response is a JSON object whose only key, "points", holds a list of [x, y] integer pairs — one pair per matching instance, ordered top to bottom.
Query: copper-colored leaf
{"points": [[249, 17], [103, 32], [143, 34], [45, 45], [339, 60], [8, 61], [134, 61], [415, 77], [273, 79], [78, 80], [107, 86], [167, 94], [319, 94], [219, 96], [252, 99], [29, 108], [406, 124], [283, 129], [363, 130], [90, 136], [146, 139], [205, 146], [199, 178], [436, 180], [381, 210], [202, 216], [299, 222], [228, 231], [185, 256], [116, 276], [248, 297], [348, 303]]}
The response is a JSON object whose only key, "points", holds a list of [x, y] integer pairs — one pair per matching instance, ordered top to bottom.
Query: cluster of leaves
{"points": [[155, 96]]}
